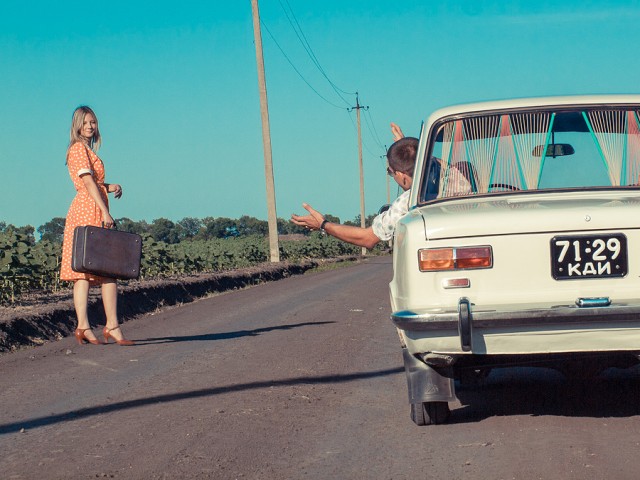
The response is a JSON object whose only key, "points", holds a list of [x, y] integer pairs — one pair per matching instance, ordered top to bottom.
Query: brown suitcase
{"points": [[106, 252]]}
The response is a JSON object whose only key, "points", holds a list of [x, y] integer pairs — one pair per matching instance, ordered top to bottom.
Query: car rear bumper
{"points": [[515, 315], [521, 329]]}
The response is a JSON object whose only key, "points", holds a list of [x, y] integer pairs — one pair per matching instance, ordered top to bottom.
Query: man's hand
{"points": [[396, 131], [311, 221]]}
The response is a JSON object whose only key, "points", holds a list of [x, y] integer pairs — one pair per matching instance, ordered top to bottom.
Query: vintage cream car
{"points": [[521, 245]]}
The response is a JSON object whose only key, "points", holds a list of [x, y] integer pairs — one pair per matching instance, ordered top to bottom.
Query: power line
{"points": [[307, 47], [296, 70], [372, 128], [364, 144]]}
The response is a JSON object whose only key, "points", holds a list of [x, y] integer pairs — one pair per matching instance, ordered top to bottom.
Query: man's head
{"points": [[401, 157]]}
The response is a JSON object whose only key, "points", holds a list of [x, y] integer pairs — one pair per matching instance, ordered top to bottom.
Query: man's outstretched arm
{"points": [[363, 237]]}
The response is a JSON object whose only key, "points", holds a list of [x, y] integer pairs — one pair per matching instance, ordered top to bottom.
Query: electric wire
{"points": [[307, 47], [296, 70], [372, 128], [364, 144]]}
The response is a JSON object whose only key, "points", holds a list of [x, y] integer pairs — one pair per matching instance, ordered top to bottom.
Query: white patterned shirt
{"points": [[385, 224]]}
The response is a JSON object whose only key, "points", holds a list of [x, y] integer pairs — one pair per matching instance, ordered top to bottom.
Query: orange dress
{"points": [[83, 210]]}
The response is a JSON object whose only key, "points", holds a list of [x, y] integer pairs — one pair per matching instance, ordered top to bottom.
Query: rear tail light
{"points": [[458, 258]]}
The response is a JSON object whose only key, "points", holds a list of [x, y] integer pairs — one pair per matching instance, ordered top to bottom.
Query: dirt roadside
{"points": [[41, 318]]}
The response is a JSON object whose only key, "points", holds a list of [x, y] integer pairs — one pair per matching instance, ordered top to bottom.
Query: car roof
{"points": [[536, 102]]}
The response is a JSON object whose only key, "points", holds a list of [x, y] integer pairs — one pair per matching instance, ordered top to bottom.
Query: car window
{"points": [[537, 150]]}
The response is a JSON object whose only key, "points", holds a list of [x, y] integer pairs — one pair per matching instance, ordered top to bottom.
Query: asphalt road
{"points": [[296, 379]]}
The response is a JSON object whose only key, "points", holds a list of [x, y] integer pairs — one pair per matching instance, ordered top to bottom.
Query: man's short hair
{"points": [[402, 155]]}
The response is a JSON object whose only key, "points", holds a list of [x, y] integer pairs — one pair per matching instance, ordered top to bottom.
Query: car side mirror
{"points": [[554, 150]]}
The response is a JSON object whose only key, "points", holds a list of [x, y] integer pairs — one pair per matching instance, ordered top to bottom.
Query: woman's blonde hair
{"points": [[76, 124]]}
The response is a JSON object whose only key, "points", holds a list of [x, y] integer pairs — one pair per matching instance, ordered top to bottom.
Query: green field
{"points": [[28, 266]]}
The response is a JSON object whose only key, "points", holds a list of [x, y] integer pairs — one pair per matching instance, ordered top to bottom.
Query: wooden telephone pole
{"points": [[266, 138], [387, 176], [362, 214]]}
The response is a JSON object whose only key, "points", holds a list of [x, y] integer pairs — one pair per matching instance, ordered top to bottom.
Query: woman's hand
{"points": [[115, 189], [108, 220]]}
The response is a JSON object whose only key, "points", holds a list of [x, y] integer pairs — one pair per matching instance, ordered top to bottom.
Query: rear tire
{"points": [[430, 413]]}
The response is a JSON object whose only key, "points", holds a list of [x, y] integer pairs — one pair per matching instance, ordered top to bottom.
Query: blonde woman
{"points": [[89, 207]]}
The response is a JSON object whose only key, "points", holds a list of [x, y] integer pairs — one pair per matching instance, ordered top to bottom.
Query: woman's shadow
{"points": [[223, 335]]}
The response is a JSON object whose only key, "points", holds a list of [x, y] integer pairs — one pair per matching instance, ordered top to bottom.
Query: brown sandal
{"points": [[107, 333]]}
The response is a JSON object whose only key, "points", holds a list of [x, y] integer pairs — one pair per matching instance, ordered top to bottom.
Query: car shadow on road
{"points": [[224, 335], [540, 392], [71, 415]]}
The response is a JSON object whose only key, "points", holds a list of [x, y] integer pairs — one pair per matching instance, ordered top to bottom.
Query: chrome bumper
{"points": [[513, 316]]}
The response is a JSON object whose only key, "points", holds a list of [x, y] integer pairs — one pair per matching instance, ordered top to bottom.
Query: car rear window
{"points": [[535, 150]]}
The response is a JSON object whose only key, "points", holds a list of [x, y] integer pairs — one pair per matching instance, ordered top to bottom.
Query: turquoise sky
{"points": [[175, 89]]}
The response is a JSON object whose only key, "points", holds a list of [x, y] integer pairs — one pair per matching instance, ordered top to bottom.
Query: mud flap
{"points": [[425, 383]]}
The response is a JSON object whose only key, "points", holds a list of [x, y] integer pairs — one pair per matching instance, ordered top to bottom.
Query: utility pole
{"points": [[266, 138], [386, 175], [388, 190], [362, 215]]}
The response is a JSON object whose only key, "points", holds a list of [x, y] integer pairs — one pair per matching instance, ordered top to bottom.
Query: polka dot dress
{"points": [[83, 210]]}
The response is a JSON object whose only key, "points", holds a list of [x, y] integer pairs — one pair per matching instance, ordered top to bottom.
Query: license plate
{"points": [[588, 256]]}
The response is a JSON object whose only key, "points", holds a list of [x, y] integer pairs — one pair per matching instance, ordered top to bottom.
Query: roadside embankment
{"points": [[53, 317]]}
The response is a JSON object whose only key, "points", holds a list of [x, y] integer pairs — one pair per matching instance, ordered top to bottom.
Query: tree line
{"points": [[170, 232]]}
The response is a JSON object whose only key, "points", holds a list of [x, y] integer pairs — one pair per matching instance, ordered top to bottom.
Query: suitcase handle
{"points": [[115, 225]]}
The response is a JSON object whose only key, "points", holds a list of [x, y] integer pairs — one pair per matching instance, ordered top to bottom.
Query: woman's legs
{"points": [[80, 302], [110, 302]]}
